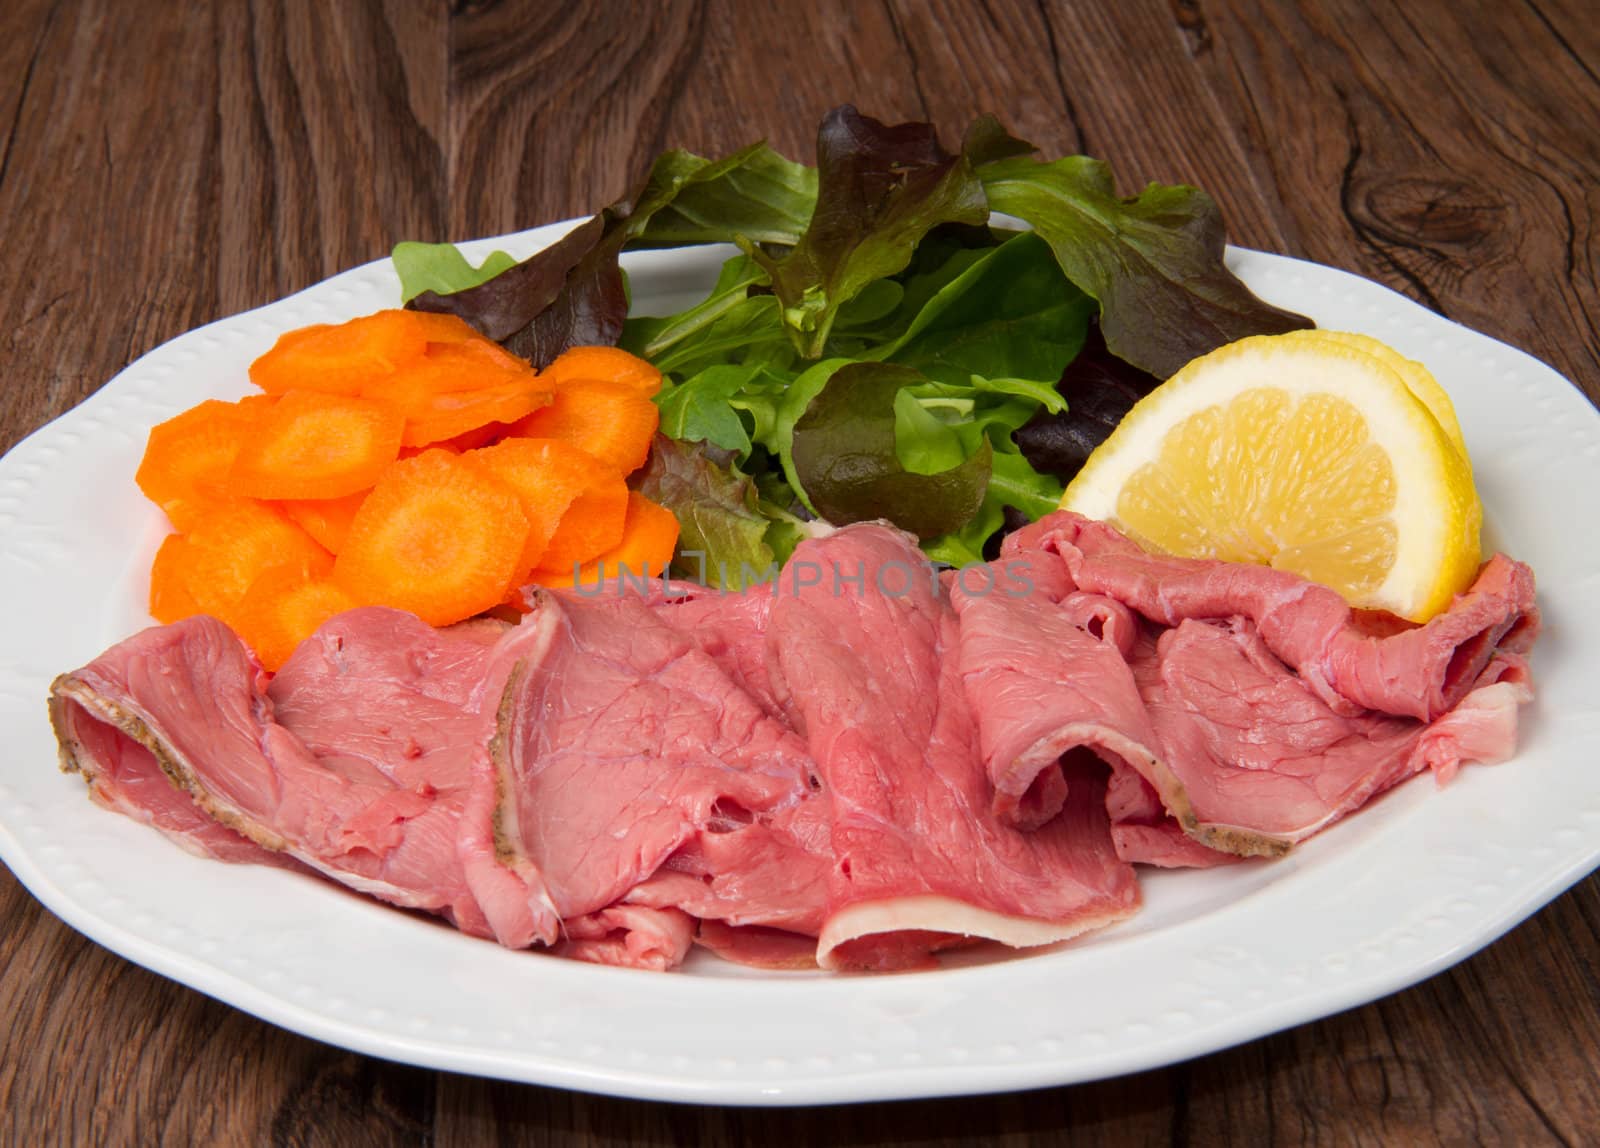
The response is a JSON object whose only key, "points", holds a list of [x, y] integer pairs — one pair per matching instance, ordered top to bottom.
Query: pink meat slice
{"points": [[730, 627], [1412, 671], [1044, 674], [870, 675], [625, 758], [1255, 760], [125, 776], [381, 820], [631, 936]]}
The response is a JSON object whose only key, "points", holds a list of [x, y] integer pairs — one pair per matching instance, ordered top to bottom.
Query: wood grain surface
{"points": [[163, 164]]}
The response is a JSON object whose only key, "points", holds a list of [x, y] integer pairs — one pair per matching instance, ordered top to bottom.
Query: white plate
{"points": [[1410, 886]]}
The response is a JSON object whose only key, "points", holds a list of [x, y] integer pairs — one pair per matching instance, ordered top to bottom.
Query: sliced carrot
{"points": [[342, 358], [603, 364], [450, 367], [445, 416], [612, 421], [486, 435], [313, 445], [188, 457], [547, 475], [325, 519], [593, 524], [649, 536], [437, 537], [230, 548], [170, 599], [283, 608]]}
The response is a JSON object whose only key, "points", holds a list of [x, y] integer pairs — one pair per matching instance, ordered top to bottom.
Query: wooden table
{"points": [[164, 164]]}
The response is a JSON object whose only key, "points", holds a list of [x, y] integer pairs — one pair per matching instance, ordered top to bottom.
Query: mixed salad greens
{"points": [[886, 343]]}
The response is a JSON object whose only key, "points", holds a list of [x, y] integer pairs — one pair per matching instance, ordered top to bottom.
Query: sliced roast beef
{"points": [[730, 628], [866, 650], [1412, 671], [1043, 679], [622, 749], [116, 753], [381, 820], [632, 936]]}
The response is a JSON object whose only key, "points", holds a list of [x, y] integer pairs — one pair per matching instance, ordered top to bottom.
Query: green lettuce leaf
{"points": [[880, 189], [754, 194], [1154, 262], [441, 267], [1010, 313], [705, 407], [845, 458], [722, 538]]}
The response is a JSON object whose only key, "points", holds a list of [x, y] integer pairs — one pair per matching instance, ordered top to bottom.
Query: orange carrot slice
{"points": [[342, 358], [603, 364], [451, 367], [444, 416], [612, 421], [313, 445], [188, 457], [547, 475], [325, 519], [593, 524], [437, 537], [649, 537], [230, 548], [170, 599], [284, 607]]}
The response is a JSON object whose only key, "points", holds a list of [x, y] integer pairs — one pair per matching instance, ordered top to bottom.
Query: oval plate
{"points": [[1414, 884]]}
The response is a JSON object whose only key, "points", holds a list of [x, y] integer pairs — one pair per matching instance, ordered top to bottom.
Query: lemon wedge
{"points": [[1417, 378], [1310, 454]]}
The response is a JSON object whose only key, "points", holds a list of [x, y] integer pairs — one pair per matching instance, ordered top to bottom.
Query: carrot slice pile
{"points": [[344, 358], [603, 364], [444, 416], [612, 421], [315, 445], [187, 459], [404, 460], [548, 476], [437, 537], [230, 548]]}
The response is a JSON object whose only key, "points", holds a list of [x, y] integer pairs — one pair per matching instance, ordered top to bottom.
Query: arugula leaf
{"points": [[880, 189], [1154, 262], [442, 268], [652, 337], [701, 408], [843, 451], [717, 513]]}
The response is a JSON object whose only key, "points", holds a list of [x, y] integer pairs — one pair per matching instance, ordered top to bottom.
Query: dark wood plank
{"points": [[1450, 155]]}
